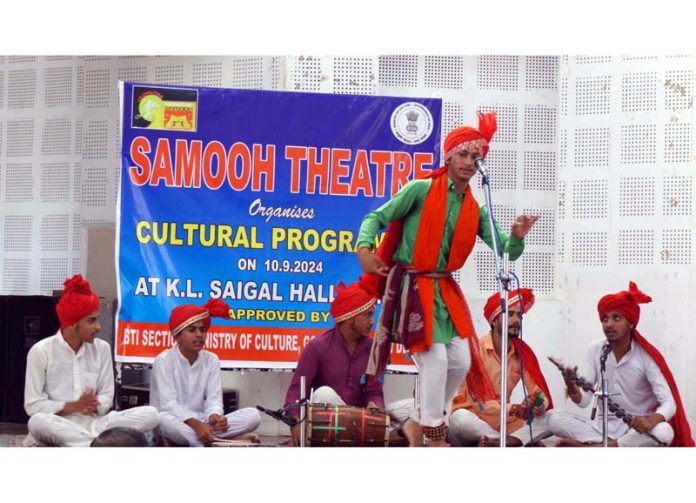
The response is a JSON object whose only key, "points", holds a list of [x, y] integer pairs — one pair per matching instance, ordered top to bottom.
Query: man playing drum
{"points": [[333, 364]]}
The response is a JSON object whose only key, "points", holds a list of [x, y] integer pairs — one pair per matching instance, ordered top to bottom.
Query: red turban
{"points": [[471, 139], [77, 301], [351, 301], [625, 302], [492, 308], [183, 316]]}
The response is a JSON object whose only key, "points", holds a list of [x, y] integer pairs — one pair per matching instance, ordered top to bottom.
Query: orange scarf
{"points": [[427, 251], [425, 256]]}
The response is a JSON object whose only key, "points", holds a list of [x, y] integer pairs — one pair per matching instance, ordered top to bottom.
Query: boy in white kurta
{"points": [[185, 385], [69, 386]]}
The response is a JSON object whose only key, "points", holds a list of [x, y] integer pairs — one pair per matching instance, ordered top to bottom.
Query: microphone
{"points": [[481, 166], [603, 357], [594, 407], [279, 415]]}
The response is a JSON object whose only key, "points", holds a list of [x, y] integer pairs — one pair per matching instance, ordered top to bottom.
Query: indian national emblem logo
{"points": [[412, 118], [411, 123]]}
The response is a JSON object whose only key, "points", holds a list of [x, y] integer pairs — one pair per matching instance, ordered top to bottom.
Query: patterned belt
{"points": [[428, 274]]}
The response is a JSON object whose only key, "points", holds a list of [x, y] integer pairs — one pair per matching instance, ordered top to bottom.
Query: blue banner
{"points": [[254, 197]]}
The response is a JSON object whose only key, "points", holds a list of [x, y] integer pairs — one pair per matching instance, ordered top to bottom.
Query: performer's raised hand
{"points": [[522, 225], [371, 263]]}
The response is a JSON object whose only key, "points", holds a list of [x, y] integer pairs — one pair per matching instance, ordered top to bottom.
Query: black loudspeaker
{"points": [[24, 320], [133, 395], [230, 400]]}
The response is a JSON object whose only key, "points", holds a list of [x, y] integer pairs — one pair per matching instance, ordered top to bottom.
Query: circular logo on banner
{"points": [[412, 123]]}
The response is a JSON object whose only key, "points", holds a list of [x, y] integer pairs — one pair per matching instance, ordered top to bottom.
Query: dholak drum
{"points": [[345, 426]]}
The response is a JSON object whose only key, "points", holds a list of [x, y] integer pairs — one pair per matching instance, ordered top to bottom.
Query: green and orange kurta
{"points": [[407, 205]]}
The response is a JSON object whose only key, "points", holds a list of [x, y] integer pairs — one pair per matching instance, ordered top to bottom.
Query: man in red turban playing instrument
{"points": [[433, 224], [334, 364], [639, 381], [185, 385], [69, 387], [473, 422]]}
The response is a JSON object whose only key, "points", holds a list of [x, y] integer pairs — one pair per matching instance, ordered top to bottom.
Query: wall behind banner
{"points": [[600, 146]]}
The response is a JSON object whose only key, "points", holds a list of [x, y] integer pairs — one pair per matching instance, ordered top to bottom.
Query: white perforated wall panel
{"points": [[398, 71], [444, 72], [339, 75], [58, 86], [21, 88], [639, 92], [37, 127], [59, 148], [55, 182]]}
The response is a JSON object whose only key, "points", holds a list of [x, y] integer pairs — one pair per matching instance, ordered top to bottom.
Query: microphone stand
{"points": [[503, 279], [604, 394], [302, 412]]}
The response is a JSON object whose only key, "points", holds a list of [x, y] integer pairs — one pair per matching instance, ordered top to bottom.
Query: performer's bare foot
{"points": [[414, 433], [249, 437], [510, 441], [488, 442], [570, 442], [437, 443]]}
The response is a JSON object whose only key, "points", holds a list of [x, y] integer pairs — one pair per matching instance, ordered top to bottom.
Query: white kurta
{"points": [[57, 375], [636, 385], [182, 391]]}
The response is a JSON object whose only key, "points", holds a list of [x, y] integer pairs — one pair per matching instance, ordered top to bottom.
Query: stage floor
{"points": [[12, 435]]}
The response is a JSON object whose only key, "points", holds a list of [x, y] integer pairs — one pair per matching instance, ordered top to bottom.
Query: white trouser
{"points": [[441, 369], [399, 412], [238, 422], [564, 424], [466, 428], [78, 430]]}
